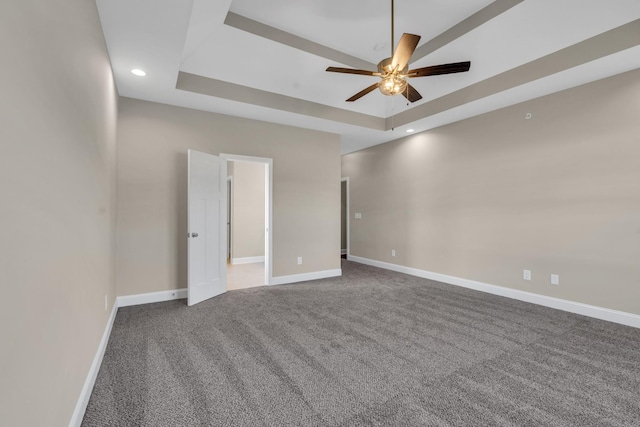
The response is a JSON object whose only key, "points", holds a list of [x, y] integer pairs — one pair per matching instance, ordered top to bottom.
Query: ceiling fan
{"points": [[394, 71]]}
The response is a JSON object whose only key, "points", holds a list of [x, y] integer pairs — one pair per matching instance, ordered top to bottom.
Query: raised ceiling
{"points": [[265, 60]]}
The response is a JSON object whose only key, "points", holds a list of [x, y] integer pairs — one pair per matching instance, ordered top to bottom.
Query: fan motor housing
{"points": [[385, 67]]}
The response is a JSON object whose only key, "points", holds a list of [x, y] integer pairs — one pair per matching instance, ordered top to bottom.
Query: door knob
{"points": [[194, 234]]}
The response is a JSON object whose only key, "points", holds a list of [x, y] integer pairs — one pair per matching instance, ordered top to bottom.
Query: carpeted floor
{"points": [[371, 348]]}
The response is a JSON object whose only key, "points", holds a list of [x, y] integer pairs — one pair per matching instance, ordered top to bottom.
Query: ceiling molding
{"points": [[484, 15], [274, 34], [610, 42], [221, 89]]}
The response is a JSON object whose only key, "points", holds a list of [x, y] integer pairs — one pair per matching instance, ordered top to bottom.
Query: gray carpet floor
{"points": [[371, 348]]}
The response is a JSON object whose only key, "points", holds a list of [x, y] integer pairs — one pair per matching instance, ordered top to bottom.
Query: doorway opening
{"points": [[229, 214], [344, 218], [249, 221]]}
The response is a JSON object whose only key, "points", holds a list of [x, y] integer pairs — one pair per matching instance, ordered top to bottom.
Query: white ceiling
{"points": [[267, 62]]}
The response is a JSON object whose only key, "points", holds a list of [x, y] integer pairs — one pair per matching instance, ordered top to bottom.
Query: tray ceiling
{"points": [[266, 60]]}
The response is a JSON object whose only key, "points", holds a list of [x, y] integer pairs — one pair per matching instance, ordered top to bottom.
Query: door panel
{"points": [[207, 226]]}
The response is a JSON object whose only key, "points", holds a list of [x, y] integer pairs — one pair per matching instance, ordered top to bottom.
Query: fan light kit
{"points": [[394, 71]]}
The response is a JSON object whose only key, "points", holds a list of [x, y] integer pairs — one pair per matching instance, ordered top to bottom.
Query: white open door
{"points": [[207, 227]]}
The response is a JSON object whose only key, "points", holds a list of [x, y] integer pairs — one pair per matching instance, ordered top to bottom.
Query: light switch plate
{"points": [[358, 215], [526, 274], [555, 279]]}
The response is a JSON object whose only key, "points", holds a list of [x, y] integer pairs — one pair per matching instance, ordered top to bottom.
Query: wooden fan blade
{"points": [[402, 55], [456, 67], [352, 71], [363, 92], [412, 94]]}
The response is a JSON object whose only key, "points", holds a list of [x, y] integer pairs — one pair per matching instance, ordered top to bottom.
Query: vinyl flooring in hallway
{"points": [[243, 276]]}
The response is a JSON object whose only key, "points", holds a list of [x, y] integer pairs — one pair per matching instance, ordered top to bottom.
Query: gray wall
{"points": [[58, 112], [152, 179], [487, 197], [248, 209]]}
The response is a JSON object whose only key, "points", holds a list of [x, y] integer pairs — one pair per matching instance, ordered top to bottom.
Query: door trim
{"points": [[268, 214]]}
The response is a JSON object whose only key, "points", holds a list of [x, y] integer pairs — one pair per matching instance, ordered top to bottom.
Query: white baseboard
{"points": [[247, 260], [294, 278], [127, 300], [601, 313], [89, 382]]}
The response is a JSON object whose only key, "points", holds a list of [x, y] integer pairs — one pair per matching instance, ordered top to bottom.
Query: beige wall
{"points": [[58, 112], [152, 179], [487, 197], [248, 209]]}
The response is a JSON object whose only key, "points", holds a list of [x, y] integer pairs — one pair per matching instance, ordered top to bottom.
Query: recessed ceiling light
{"points": [[138, 72], [409, 130]]}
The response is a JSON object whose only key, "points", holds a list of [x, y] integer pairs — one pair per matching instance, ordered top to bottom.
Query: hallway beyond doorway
{"points": [[242, 276]]}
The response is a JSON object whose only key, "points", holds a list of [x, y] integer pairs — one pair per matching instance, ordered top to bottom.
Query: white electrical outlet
{"points": [[358, 215], [393, 252], [299, 260], [526, 274], [555, 279], [106, 302]]}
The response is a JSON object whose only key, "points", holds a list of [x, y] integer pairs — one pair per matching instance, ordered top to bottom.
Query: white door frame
{"points": [[346, 179], [268, 208]]}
